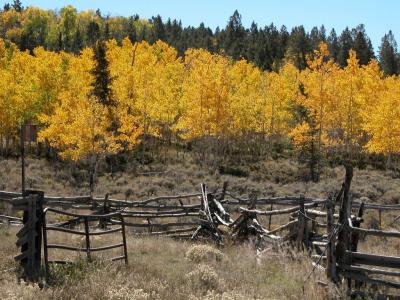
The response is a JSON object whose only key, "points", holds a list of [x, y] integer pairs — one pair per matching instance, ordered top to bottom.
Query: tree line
{"points": [[267, 47], [115, 96]]}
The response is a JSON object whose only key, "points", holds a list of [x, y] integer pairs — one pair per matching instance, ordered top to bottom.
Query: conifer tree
{"points": [[235, 35], [346, 43], [333, 45], [362, 45], [387, 54], [102, 79]]}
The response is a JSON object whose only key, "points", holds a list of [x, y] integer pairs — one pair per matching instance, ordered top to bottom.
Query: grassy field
{"points": [[183, 174], [167, 269]]}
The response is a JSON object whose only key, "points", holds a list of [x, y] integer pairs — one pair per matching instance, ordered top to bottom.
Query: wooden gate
{"points": [[85, 219]]}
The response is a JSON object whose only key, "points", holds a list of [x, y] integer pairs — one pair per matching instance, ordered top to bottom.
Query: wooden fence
{"points": [[312, 224]]}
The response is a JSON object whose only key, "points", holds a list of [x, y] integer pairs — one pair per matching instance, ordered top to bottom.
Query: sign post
{"points": [[28, 134]]}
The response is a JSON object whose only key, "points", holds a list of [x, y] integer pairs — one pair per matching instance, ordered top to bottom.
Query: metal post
{"points": [[22, 160], [45, 251]]}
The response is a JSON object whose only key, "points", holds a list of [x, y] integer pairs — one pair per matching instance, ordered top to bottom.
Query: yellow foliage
{"points": [[203, 94], [382, 122], [78, 125]]}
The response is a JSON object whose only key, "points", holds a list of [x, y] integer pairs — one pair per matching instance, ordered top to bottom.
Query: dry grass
{"points": [[268, 178], [158, 269]]}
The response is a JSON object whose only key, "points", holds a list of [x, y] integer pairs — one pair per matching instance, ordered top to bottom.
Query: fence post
{"points": [[106, 210], [270, 217], [380, 218], [301, 233], [30, 236], [344, 237], [87, 239], [124, 239], [330, 254]]}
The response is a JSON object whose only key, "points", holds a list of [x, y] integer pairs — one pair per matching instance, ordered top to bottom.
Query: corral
{"points": [[220, 217]]}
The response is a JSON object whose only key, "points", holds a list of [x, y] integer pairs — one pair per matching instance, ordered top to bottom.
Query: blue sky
{"points": [[378, 16]]}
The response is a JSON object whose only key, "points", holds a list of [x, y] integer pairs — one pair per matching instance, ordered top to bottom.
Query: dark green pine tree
{"points": [[17, 5], [7, 7], [131, 29], [158, 32], [92, 33], [107, 34], [174, 34], [203, 37], [234, 37], [314, 38], [283, 42], [77, 43], [346, 43], [252, 44], [333, 45], [362, 45], [59, 46], [273, 47], [298, 47], [388, 54], [102, 82]]}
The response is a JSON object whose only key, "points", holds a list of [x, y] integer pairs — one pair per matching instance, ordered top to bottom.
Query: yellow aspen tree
{"points": [[147, 83], [280, 89], [318, 89], [17, 93], [205, 97], [245, 97], [349, 103], [382, 121], [78, 127]]}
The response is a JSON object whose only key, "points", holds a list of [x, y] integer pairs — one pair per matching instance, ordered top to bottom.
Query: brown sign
{"points": [[29, 132]]}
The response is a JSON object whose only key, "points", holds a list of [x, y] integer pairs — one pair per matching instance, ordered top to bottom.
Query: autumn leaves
{"points": [[347, 109]]}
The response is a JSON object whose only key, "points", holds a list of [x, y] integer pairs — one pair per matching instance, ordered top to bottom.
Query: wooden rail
{"points": [[159, 202], [10, 219]]}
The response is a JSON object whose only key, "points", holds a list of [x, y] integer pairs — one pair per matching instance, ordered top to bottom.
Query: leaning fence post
{"points": [[330, 255]]}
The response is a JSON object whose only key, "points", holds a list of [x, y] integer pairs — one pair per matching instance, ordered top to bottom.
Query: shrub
{"points": [[234, 171], [204, 253], [203, 277]]}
